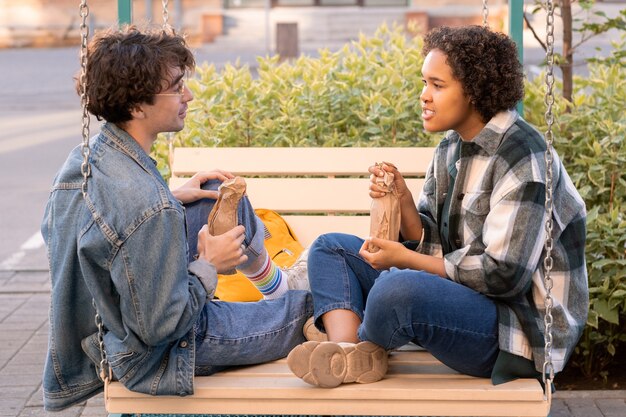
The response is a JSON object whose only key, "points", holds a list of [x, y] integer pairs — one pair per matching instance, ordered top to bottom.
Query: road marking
{"points": [[41, 128], [27, 139], [34, 242]]}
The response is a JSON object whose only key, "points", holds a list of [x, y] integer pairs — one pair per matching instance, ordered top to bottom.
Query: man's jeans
{"points": [[456, 324], [229, 334]]}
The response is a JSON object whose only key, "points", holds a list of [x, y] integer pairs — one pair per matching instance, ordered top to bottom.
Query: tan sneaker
{"points": [[223, 216], [312, 333], [329, 364]]}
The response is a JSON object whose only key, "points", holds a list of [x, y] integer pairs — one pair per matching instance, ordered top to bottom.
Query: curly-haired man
{"points": [[129, 245], [466, 280]]}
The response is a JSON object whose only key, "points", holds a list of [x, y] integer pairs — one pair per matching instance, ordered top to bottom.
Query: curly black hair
{"points": [[485, 63], [128, 67]]}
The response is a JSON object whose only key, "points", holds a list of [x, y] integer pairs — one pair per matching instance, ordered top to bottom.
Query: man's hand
{"points": [[191, 190], [225, 251], [389, 254]]}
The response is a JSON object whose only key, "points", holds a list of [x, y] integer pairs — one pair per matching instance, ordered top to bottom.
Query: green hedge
{"points": [[367, 93], [363, 95]]}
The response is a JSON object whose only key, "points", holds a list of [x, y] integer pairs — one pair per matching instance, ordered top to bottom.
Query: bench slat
{"points": [[301, 161], [313, 195], [307, 228], [416, 384]]}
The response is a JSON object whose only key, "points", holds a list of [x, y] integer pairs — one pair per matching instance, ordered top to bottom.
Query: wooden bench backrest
{"points": [[317, 190]]}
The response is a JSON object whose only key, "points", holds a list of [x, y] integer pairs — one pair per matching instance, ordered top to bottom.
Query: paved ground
{"points": [[24, 300]]}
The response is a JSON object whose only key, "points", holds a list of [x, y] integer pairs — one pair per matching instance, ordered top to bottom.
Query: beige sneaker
{"points": [[223, 216], [297, 274], [312, 333], [329, 364]]}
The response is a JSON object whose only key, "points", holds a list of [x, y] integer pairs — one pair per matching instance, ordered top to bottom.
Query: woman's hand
{"points": [[377, 172], [192, 190], [225, 251], [389, 254], [395, 254]]}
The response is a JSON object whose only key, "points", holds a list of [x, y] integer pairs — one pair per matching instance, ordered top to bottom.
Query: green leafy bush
{"points": [[367, 94], [590, 137]]}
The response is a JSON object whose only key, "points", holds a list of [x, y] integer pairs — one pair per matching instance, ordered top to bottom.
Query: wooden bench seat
{"points": [[321, 190], [416, 385]]}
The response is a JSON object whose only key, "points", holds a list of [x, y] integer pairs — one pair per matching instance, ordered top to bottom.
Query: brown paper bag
{"points": [[385, 212]]}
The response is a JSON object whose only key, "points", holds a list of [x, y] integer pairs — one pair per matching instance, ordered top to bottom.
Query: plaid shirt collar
{"points": [[490, 137]]}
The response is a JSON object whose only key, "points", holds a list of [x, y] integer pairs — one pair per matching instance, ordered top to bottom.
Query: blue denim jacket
{"points": [[125, 247]]}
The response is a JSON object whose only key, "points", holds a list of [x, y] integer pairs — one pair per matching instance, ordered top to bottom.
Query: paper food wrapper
{"points": [[385, 212]]}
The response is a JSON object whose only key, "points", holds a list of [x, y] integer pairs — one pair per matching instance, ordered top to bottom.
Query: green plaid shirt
{"points": [[497, 221]]}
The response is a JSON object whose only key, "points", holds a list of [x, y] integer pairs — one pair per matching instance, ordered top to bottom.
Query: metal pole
{"points": [[178, 5], [268, 6], [148, 10], [124, 12], [516, 31]]}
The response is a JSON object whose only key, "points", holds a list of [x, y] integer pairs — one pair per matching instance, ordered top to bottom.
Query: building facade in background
{"points": [[320, 23]]}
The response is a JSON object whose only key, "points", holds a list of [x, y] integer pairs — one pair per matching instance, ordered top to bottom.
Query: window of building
{"points": [[299, 3]]}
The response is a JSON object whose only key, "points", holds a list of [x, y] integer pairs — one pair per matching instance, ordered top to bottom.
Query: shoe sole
{"points": [[223, 216], [328, 364]]}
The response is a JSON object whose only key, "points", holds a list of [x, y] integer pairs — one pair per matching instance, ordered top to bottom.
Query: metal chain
{"points": [[485, 14], [166, 15], [84, 99], [169, 135], [548, 368], [104, 370]]}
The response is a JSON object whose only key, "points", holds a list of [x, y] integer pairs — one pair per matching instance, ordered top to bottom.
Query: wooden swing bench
{"points": [[321, 190]]}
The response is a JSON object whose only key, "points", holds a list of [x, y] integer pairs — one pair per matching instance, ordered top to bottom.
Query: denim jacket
{"points": [[125, 247]]}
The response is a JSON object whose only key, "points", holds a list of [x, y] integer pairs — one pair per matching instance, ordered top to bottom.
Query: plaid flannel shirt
{"points": [[497, 221]]}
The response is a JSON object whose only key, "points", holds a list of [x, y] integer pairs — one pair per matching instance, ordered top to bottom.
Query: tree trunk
{"points": [[568, 57]]}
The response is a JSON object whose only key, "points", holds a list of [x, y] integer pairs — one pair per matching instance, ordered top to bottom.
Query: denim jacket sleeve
{"points": [[159, 298]]}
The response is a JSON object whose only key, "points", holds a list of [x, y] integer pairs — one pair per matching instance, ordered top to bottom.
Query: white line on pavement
{"points": [[34, 242]]}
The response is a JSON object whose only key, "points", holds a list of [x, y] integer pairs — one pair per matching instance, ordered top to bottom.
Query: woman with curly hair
{"points": [[465, 279]]}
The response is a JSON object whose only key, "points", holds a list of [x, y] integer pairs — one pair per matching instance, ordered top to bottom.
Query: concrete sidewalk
{"points": [[24, 302]]}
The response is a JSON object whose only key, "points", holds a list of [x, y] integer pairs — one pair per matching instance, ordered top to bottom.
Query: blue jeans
{"points": [[456, 324], [231, 334]]}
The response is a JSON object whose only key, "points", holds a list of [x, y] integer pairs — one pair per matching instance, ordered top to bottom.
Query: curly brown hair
{"points": [[485, 63], [128, 67]]}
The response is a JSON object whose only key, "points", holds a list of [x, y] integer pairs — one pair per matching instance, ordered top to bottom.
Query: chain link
{"points": [[485, 14], [166, 15], [84, 99], [548, 368], [104, 370]]}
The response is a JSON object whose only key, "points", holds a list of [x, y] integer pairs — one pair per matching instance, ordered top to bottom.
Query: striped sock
{"points": [[269, 279]]}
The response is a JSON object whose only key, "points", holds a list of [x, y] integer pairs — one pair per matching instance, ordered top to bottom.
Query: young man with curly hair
{"points": [[130, 245], [466, 279]]}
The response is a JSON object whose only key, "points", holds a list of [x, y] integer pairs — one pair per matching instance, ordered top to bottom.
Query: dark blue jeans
{"points": [[456, 324]]}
